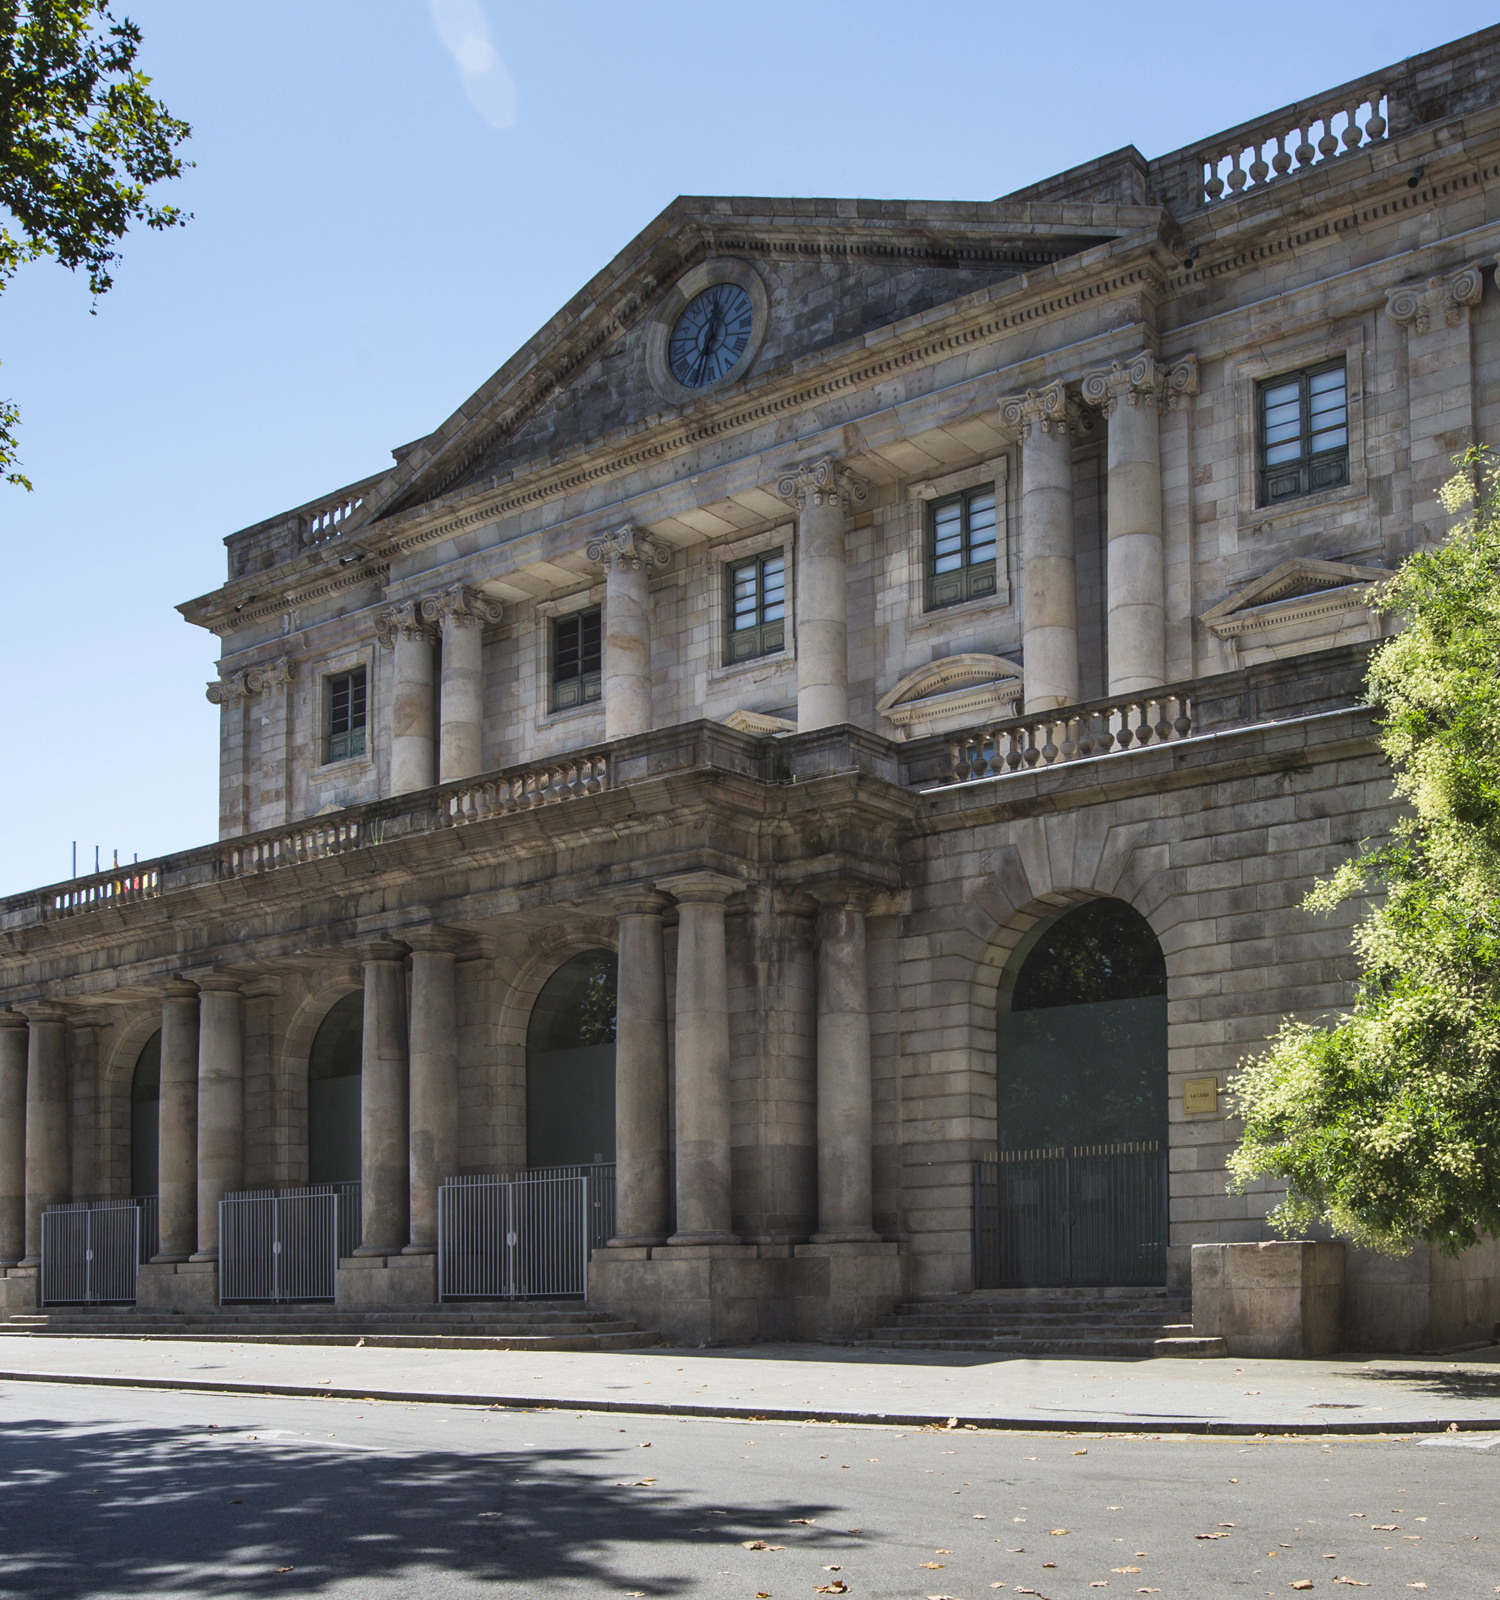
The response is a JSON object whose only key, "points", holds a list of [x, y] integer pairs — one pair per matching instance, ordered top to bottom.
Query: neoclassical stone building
{"points": [[839, 726]]}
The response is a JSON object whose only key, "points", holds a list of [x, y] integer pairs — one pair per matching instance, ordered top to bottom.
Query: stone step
{"points": [[634, 1340], [1186, 1345], [1085, 1349]]}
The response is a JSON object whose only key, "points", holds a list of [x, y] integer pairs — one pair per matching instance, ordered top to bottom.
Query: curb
{"points": [[886, 1419]]}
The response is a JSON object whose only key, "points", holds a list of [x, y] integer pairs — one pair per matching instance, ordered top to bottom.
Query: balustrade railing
{"points": [[1305, 135], [326, 521], [1049, 738], [558, 780], [265, 854], [120, 887]]}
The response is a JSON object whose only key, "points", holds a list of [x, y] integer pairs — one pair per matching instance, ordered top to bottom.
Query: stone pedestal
{"points": [[381, 1283], [177, 1286], [839, 1289], [19, 1291], [1270, 1299]]}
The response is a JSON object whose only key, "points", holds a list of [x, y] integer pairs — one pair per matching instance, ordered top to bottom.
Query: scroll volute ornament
{"points": [[1415, 305], [1140, 380], [1048, 408], [820, 483], [628, 548], [459, 607], [405, 619], [232, 691]]}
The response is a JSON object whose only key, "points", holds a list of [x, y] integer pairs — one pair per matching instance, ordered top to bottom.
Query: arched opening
{"points": [[1083, 1048], [570, 1065], [333, 1068], [145, 1096], [1078, 1191]]}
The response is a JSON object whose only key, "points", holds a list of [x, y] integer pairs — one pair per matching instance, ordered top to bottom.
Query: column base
{"points": [[854, 1236], [711, 1237], [635, 1241], [419, 1249], [205, 1255], [169, 1260], [380, 1282], [177, 1284], [840, 1286], [20, 1290]]}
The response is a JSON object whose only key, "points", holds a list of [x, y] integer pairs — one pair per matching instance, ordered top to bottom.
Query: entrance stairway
{"points": [[1048, 1322], [472, 1325]]}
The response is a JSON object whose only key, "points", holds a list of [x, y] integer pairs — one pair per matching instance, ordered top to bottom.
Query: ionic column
{"points": [[821, 493], [627, 557], [1049, 594], [460, 613], [412, 752], [384, 1102], [221, 1103], [846, 1118], [46, 1120], [177, 1124], [12, 1137], [433, 1140], [641, 1144], [704, 1211]]}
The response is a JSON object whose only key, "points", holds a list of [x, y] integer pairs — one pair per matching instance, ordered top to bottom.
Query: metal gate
{"points": [[1090, 1214], [524, 1235], [285, 1244], [91, 1249]]}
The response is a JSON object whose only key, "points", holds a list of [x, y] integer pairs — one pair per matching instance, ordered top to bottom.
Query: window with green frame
{"points": [[1304, 433], [961, 547], [756, 606], [577, 659], [344, 716]]}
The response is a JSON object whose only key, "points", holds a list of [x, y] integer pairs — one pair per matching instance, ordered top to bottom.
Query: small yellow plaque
{"points": [[1200, 1094]]}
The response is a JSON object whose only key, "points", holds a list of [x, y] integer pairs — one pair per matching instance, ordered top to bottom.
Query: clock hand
{"points": [[705, 355]]}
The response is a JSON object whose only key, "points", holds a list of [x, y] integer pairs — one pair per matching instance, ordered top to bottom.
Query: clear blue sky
{"points": [[376, 229]]}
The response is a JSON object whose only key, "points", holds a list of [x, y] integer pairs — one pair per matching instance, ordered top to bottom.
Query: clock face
{"points": [[711, 335]]}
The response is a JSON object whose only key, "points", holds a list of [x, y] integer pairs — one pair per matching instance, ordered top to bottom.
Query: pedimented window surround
{"points": [[1250, 370], [919, 495], [1299, 606], [955, 692], [331, 777]]}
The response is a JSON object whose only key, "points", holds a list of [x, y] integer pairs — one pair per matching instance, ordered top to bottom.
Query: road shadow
{"points": [[1459, 1383], [111, 1509]]}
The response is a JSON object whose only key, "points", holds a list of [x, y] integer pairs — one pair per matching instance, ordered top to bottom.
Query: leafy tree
{"points": [[81, 141], [1386, 1125]]}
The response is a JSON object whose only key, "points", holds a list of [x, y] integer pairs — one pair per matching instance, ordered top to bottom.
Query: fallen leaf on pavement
{"points": [[1080, 1452], [643, 1483], [491, 1513], [806, 1522], [1384, 1527], [1058, 1532], [1210, 1535], [759, 1544], [942, 1552], [933, 1566], [834, 1568], [286, 1569], [1124, 1569], [1099, 1583], [1301, 1583], [1356, 1583], [838, 1586]]}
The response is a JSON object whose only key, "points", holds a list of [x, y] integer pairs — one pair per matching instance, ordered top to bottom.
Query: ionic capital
{"points": [[1416, 305], [1141, 380], [1049, 409], [822, 483], [628, 548], [459, 607], [405, 621], [232, 691], [227, 692], [700, 888], [641, 903], [436, 940], [383, 950]]}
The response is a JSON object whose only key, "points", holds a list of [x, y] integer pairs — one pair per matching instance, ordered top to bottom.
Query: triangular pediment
{"points": [[584, 378], [1297, 589]]}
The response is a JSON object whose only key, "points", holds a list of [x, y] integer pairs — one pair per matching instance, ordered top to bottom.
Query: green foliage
{"points": [[81, 141], [1386, 1125]]}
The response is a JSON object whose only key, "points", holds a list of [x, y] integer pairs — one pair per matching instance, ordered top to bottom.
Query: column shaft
{"points": [[1136, 582], [1049, 592], [822, 613], [627, 648], [411, 711], [461, 713], [434, 1088], [383, 1103], [221, 1104], [845, 1106], [46, 1121], [177, 1125], [12, 1137], [641, 1142], [704, 1211]]}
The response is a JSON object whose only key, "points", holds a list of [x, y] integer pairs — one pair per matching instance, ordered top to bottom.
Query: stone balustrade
{"points": [[1304, 135], [325, 520], [1098, 728], [540, 786], [285, 848], [119, 886]]}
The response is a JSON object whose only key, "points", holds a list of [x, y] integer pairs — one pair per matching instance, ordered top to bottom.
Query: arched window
{"points": [[1083, 1048], [570, 1065], [333, 1068], [145, 1095]]}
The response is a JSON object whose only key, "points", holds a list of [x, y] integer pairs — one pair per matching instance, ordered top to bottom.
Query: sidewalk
{"points": [[821, 1383]]}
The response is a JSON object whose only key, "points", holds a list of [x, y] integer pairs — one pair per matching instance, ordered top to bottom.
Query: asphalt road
{"points": [[129, 1493]]}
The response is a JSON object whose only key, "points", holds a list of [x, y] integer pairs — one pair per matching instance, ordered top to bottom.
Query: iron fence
{"points": [[1085, 1215], [523, 1235], [285, 1244], [92, 1248]]}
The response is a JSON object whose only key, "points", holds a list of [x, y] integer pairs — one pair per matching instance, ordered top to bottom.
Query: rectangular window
{"points": [[1304, 433], [961, 547], [756, 606], [577, 657], [344, 716]]}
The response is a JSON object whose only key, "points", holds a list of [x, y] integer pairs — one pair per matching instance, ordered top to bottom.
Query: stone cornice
{"points": [[219, 613]]}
